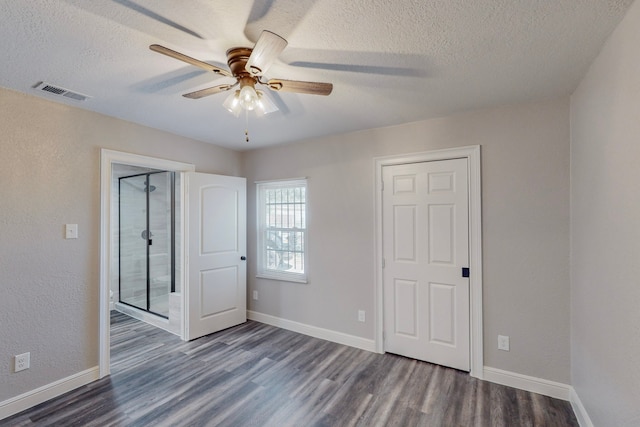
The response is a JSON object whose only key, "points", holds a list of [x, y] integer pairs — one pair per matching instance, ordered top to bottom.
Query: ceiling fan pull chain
{"points": [[246, 129]]}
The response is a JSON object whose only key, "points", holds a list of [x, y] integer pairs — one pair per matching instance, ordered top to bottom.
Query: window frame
{"points": [[261, 227]]}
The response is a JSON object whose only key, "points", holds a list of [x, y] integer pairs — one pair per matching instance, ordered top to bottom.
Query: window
{"points": [[282, 230]]}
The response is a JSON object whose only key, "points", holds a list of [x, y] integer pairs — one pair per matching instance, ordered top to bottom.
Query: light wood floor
{"points": [[258, 375]]}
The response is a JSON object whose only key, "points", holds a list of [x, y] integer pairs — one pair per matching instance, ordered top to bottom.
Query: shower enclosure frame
{"points": [[148, 237]]}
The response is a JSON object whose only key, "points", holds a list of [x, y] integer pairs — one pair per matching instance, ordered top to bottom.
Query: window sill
{"points": [[282, 278]]}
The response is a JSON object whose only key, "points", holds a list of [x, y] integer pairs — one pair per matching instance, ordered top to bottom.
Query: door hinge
{"points": [[382, 187], [383, 263]]}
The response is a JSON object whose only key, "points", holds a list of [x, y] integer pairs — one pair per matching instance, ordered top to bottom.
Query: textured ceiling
{"points": [[391, 62]]}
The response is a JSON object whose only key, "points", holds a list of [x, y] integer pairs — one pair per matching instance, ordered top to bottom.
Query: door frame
{"points": [[472, 154], [107, 159]]}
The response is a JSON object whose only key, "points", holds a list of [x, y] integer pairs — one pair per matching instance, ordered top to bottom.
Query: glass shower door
{"points": [[133, 242]]}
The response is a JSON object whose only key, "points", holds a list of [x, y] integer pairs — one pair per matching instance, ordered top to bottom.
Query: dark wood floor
{"points": [[258, 375]]}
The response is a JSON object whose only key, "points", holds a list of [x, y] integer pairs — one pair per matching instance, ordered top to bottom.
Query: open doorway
{"points": [[115, 165]]}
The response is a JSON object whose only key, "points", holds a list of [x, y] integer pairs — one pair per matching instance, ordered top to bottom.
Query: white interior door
{"points": [[425, 246], [216, 267]]}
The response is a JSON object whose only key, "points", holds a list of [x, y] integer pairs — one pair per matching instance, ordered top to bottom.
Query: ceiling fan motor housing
{"points": [[237, 58]]}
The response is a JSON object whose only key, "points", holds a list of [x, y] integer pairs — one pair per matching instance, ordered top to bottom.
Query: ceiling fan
{"points": [[248, 66]]}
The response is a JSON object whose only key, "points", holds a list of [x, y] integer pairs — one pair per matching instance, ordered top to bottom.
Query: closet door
{"points": [[426, 249]]}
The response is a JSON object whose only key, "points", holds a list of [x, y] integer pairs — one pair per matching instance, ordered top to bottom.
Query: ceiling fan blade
{"points": [[153, 15], [285, 15], [266, 50], [189, 60], [366, 69], [313, 88], [208, 91]]}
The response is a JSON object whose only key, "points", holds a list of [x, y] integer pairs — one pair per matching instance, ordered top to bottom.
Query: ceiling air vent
{"points": [[57, 90]]}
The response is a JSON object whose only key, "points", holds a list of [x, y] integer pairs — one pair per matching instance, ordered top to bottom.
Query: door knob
{"points": [[243, 258]]}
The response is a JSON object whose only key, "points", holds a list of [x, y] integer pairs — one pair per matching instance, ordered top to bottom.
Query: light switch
{"points": [[71, 231]]}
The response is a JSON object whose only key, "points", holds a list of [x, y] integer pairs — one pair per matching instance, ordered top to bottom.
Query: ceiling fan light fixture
{"points": [[248, 98], [233, 104], [264, 104]]}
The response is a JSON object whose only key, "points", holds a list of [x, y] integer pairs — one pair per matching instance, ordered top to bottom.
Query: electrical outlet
{"points": [[255, 295], [361, 315], [503, 342], [22, 361]]}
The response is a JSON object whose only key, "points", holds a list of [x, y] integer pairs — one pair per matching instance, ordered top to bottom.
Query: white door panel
{"points": [[404, 231], [425, 246], [216, 282]]}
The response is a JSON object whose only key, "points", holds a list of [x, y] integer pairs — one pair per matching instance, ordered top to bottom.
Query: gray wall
{"points": [[49, 172], [525, 173], [605, 235]]}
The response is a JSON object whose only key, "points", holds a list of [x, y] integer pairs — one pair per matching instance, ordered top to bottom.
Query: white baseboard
{"points": [[313, 331], [527, 383], [42, 394], [579, 410]]}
